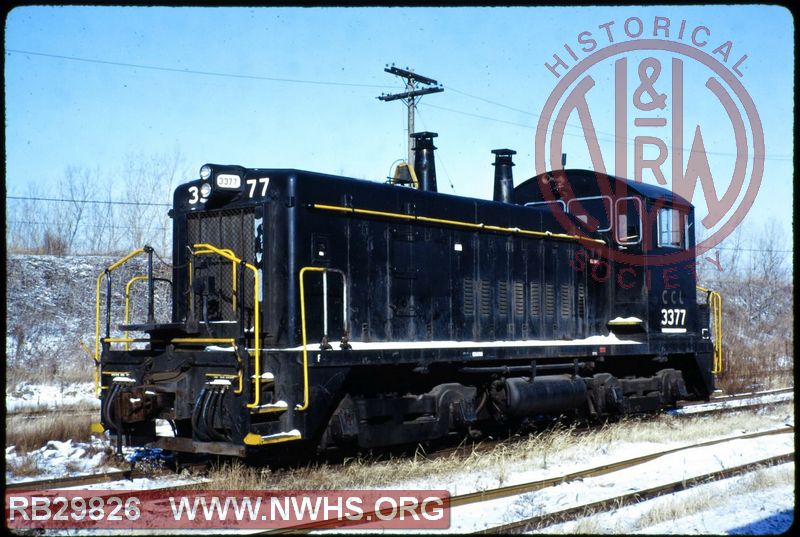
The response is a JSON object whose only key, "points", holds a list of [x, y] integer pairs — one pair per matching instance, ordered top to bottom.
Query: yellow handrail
{"points": [[456, 223], [227, 254], [108, 270], [303, 270], [233, 271], [128, 303], [715, 303], [306, 398]]}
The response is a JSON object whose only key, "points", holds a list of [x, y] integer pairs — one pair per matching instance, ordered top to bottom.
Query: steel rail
{"points": [[92, 479], [72, 481], [539, 521]]}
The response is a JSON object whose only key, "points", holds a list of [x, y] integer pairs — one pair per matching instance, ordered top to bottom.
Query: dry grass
{"points": [[77, 369], [744, 373], [28, 434], [535, 451], [27, 466]]}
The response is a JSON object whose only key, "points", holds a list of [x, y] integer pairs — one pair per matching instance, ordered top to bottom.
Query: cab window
{"points": [[594, 212], [628, 220], [671, 228]]}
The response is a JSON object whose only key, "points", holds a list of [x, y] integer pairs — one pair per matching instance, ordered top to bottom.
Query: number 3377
{"points": [[673, 317]]}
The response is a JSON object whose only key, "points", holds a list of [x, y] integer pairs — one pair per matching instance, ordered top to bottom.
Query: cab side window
{"points": [[594, 212], [628, 221], [671, 228]]}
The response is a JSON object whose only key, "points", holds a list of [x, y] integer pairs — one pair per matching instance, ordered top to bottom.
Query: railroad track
{"points": [[745, 395], [732, 403], [35, 413], [474, 447], [92, 479], [74, 481], [532, 486], [540, 521]]}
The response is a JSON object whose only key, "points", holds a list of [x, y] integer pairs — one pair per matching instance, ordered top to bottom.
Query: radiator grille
{"points": [[230, 229]]}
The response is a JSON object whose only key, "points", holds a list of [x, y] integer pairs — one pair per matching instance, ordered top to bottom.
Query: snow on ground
{"points": [[28, 396], [61, 459], [64, 459], [665, 469], [770, 511], [757, 512], [761, 512]]}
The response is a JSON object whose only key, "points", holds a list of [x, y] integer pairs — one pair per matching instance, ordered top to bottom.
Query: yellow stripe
{"points": [[456, 223]]}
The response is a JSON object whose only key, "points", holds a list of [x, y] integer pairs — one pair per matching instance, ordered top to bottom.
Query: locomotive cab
{"points": [[648, 249]]}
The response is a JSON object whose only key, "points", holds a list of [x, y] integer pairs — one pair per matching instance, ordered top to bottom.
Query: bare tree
{"points": [[147, 186], [757, 290]]}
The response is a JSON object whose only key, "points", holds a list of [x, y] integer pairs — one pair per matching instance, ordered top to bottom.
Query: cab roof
{"points": [[586, 183]]}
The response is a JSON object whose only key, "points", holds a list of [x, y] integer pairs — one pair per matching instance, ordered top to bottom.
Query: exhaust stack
{"points": [[424, 165], [503, 176]]}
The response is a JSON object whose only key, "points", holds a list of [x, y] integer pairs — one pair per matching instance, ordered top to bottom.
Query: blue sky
{"points": [[301, 88]]}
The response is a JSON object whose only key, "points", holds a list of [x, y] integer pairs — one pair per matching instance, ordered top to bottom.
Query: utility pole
{"points": [[410, 98]]}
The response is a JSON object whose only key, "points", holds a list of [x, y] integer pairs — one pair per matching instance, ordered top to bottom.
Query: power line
{"points": [[193, 71], [410, 97], [613, 136], [786, 158], [109, 202], [82, 224], [752, 250]]}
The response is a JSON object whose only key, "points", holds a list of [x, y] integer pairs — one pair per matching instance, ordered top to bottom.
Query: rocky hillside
{"points": [[51, 309]]}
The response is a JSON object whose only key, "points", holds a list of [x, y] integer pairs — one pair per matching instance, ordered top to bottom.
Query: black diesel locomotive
{"points": [[313, 311]]}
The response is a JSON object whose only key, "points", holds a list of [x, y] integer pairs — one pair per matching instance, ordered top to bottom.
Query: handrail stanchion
{"points": [[107, 274], [714, 301], [108, 303], [128, 304], [151, 315], [303, 332], [304, 335]]}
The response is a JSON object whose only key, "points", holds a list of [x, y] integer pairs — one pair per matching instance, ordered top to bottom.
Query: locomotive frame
{"points": [[311, 311]]}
